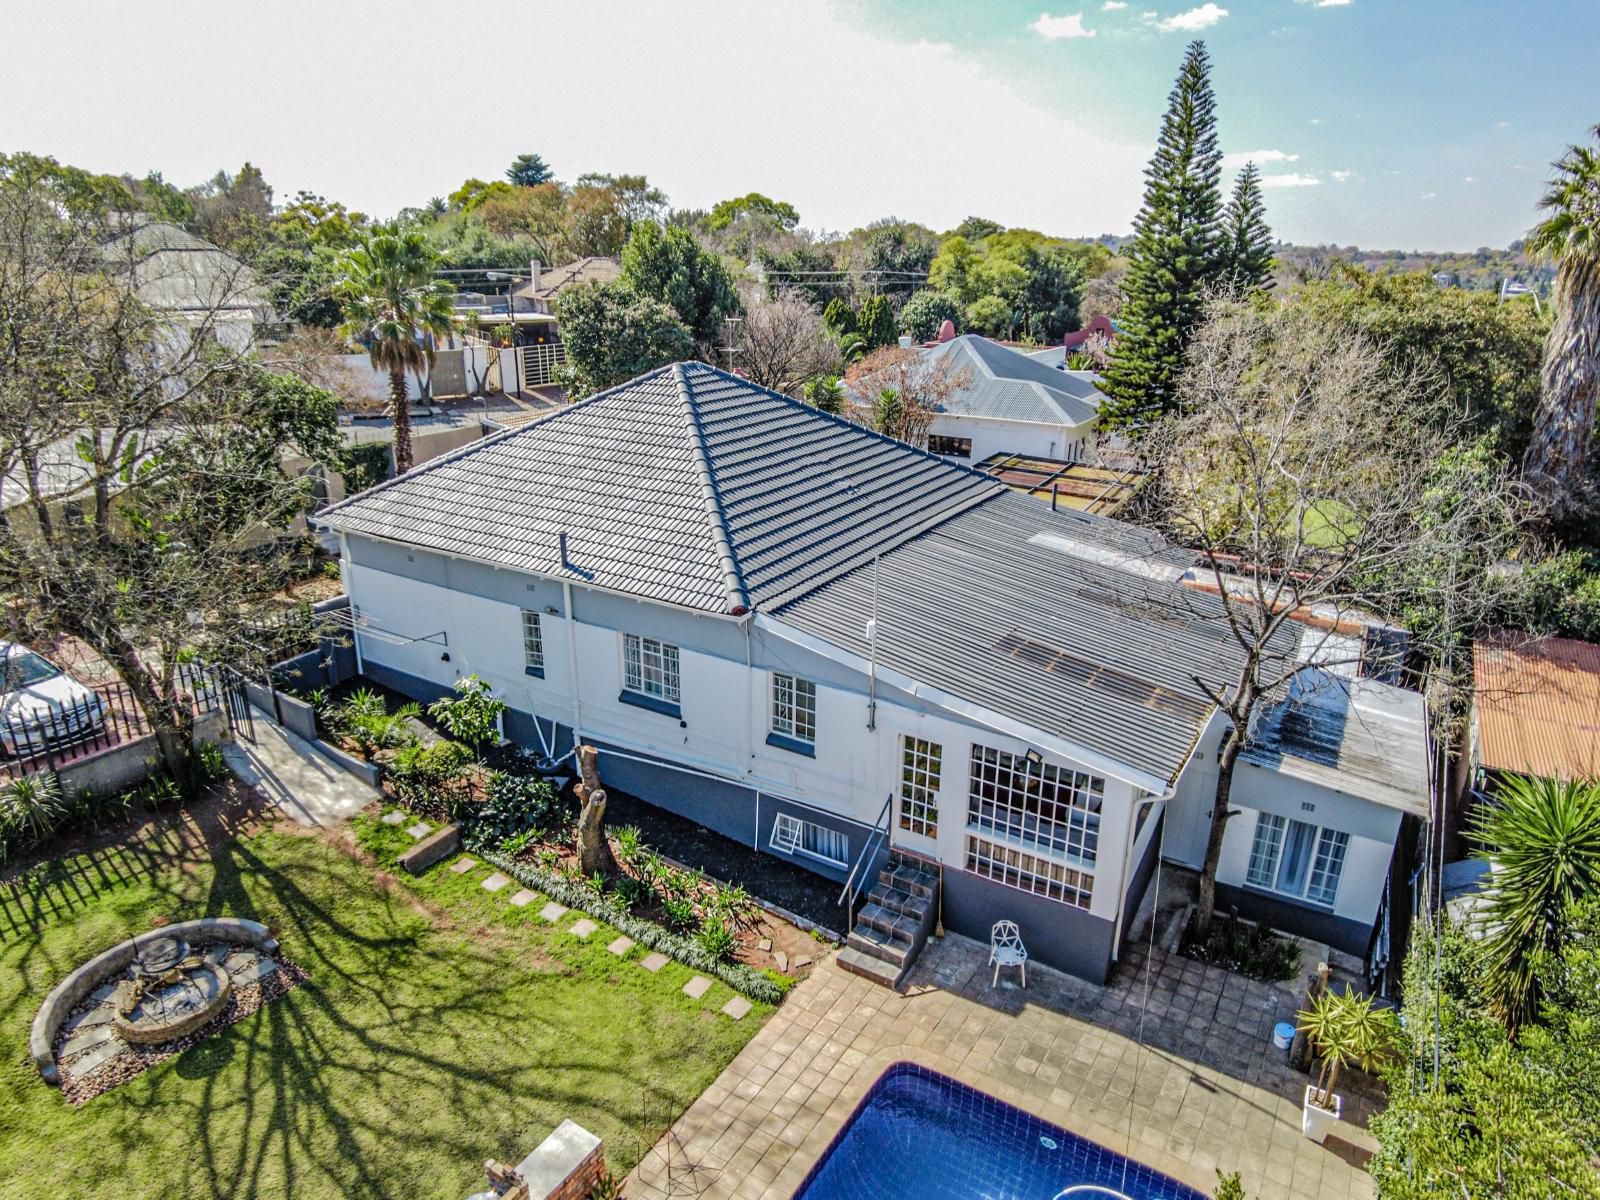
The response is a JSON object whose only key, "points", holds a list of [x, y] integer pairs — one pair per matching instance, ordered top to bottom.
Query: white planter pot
{"points": [[1316, 1121]]}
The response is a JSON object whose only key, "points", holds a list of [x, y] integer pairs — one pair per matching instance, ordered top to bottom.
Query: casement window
{"points": [[955, 447], [532, 644], [650, 668], [794, 709], [920, 765], [1053, 808], [791, 835], [1296, 859], [1029, 872]]}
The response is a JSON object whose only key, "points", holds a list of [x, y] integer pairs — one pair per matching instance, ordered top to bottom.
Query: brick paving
{"points": [[1206, 1089]]}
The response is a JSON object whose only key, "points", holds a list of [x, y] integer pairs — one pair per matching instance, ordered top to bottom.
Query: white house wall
{"points": [[991, 436]]}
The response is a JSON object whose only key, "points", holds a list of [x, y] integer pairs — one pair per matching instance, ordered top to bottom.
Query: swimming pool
{"points": [[919, 1135]]}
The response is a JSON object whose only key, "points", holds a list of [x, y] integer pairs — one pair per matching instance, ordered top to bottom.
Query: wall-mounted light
{"points": [[552, 610], [445, 657], [1035, 759]]}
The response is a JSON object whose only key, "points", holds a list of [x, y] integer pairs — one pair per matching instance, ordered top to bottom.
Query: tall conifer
{"points": [[1249, 237], [1178, 251]]}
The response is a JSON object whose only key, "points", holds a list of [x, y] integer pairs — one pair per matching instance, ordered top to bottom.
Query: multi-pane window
{"points": [[955, 447], [532, 641], [650, 667], [794, 708], [920, 764], [1054, 808], [793, 836], [1295, 858], [1019, 869]]}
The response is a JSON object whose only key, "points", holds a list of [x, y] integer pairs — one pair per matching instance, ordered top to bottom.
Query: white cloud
{"points": [[1326, 3], [1114, 5], [1204, 17], [1065, 26], [1316, 121], [1502, 124], [1239, 157], [1342, 176], [1466, 179], [1293, 180], [1429, 195]]}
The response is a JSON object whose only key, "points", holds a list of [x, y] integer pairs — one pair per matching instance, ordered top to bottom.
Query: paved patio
{"points": [[1207, 1090]]}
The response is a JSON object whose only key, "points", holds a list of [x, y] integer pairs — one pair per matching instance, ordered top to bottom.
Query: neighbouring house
{"points": [[193, 280], [544, 285], [1100, 326], [1011, 404], [815, 639], [1535, 709]]}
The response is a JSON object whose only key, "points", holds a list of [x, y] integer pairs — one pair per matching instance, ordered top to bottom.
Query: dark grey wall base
{"points": [[1055, 934], [1352, 937]]}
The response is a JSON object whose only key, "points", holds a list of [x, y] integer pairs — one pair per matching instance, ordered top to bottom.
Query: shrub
{"points": [[472, 715], [209, 762], [429, 764], [513, 804], [31, 807], [518, 842], [628, 843], [635, 893], [680, 912], [716, 939], [1253, 951]]}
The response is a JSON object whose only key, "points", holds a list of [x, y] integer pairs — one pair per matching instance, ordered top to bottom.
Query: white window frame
{"points": [[532, 646], [660, 680], [794, 715], [921, 774], [1000, 784], [790, 833], [1330, 851], [1027, 871]]}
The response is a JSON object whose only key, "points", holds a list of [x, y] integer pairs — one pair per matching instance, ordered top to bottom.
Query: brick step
{"points": [[910, 879], [893, 899], [890, 921], [875, 944], [868, 967]]}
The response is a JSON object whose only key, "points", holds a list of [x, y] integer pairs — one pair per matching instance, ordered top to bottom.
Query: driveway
{"points": [[1204, 1090]]}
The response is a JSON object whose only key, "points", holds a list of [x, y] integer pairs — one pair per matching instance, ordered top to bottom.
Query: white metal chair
{"points": [[1006, 950]]}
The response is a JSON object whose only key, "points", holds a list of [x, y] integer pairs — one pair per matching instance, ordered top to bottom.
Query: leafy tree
{"points": [[529, 170], [636, 198], [752, 206], [233, 210], [537, 213], [975, 229], [1569, 237], [1249, 240], [893, 254], [1177, 254], [669, 265], [796, 269], [1014, 282], [393, 304], [922, 315], [839, 317], [875, 322], [613, 334], [897, 391], [1558, 596], [472, 715], [1542, 839]]}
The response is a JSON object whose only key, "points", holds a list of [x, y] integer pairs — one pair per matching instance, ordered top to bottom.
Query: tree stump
{"points": [[594, 852]]}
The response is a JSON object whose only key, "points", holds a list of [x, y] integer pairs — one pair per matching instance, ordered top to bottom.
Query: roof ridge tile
{"points": [[733, 577]]}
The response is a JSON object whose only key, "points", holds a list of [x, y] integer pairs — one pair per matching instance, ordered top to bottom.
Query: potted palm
{"points": [[1345, 1029]]}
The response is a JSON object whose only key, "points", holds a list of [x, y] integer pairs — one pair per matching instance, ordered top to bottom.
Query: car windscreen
{"points": [[24, 668]]}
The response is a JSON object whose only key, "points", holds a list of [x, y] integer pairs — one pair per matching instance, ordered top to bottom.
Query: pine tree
{"points": [[1249, 237], [1178, 251], [875, 322]]}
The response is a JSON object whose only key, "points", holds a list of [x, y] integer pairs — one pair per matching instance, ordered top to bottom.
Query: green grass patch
{"points": [[440, 1026]]}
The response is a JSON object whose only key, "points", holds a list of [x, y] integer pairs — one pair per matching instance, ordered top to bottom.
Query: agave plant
{"points": [[31, 807], [1542, 840], [1347, 1029]]}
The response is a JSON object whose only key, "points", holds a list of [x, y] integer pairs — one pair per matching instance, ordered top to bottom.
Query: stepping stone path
{"points": [[393, 818], [420, 830], [462, 866], [495, 882], [524, 898], [553, 912], [583, 928], [764, 944], [621, 946], [782, 959], [802, 961], [654, 962], [247, 966], [697, 987], [737, 1008], [88, 1036], [97, 1058]]}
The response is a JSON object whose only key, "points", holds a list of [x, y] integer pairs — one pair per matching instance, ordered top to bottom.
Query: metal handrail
{"points": [[875, 840]]}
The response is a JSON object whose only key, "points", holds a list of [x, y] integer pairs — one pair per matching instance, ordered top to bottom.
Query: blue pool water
{"points": [[919, 1135]]}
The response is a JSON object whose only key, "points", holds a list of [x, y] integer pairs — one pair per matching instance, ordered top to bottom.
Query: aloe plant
{"points": [[1347, 1029]]}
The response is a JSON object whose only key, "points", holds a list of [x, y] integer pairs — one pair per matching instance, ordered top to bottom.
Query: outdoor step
{"points": [[909, 879], [895, 900], [889, 921], [871, 942], [868, 967]]}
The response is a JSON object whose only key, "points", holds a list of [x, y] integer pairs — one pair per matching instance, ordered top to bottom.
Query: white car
{"points": [[41, 705]]}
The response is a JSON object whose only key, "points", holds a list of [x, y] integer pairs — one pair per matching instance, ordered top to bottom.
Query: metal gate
{"points": [[236, 702]]}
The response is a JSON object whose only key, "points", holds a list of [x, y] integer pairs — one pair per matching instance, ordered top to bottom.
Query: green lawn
{"points": [[440, 1026]]}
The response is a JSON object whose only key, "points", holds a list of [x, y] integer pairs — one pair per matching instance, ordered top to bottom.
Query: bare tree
{"points": [[783, 344], [320, 357], [898, 391], [140, 452], [1318, 488]]}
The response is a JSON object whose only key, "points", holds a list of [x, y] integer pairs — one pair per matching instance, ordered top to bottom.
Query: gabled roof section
{"points": [[1008, 385], [687, 485]]}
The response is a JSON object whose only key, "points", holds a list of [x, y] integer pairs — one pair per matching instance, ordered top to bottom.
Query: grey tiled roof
{"points": [[1006, 384], [686, 485], [1072, 623]]}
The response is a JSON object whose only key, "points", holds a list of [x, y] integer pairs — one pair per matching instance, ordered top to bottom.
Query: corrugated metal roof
{"points": [[1005, 384], [687, 485], [983, 608], [1538, 706], [1357, 736]]}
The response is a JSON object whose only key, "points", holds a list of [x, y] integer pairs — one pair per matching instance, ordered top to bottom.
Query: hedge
{"points": [[607, 908]]}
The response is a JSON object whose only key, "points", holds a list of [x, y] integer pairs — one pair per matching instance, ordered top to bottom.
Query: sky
{"points": [[1399, 124]]}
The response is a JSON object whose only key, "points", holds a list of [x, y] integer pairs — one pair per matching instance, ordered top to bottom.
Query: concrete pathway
{"points": [[295, 777], [1205, 1090]]}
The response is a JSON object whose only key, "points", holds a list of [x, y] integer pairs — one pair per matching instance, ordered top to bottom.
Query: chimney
{"points": [[534, 269], [905, 341]]}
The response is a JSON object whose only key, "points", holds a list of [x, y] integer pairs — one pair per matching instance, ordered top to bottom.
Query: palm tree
{"points": [[1570, 238], [393, 304], [1542, 840]]}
